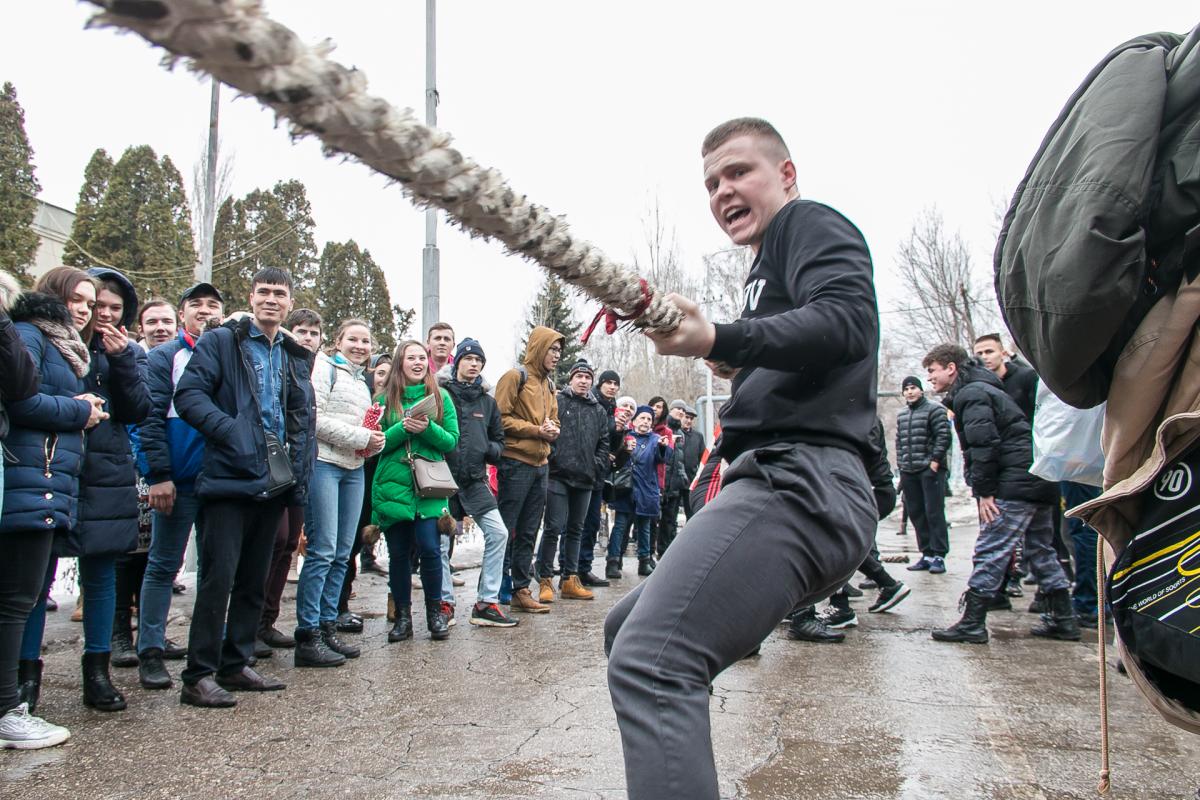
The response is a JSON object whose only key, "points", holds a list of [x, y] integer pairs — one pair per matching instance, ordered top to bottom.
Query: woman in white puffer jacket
{"points": [[335, 493]]}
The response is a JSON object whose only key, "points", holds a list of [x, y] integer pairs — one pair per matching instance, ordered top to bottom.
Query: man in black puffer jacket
{"points": [[247, 390], [605, 390], [922, 440], [480, 442], [997, 447], [579, 458]]}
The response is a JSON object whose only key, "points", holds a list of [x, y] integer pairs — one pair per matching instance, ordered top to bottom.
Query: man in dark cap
{"points": [[922, 440], [577, 462]]}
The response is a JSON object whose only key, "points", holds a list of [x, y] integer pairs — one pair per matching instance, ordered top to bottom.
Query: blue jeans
{"points": [[335, 498], [621, 526], [591, 528], [1083, 537], [400, 539], [495, 540], [168, 543], [447, 577], [98, 580]]}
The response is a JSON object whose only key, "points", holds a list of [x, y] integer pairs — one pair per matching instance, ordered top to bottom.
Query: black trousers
{"points": [[522, 502], [925, 502], [668, 523], [235, 549], [130, 570], [22, 576]]}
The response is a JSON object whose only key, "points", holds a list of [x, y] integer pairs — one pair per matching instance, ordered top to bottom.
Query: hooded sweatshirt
{"points": [[523, 408]]}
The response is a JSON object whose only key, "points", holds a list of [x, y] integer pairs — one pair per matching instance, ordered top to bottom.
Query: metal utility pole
{"points": [[208, 223], [430, 258]]}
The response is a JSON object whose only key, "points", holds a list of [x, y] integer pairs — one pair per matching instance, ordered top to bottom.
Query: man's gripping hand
{"points": [[693, 338]]}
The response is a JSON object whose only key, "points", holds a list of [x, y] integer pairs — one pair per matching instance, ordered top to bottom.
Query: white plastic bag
{"points": [[1066, 440]]}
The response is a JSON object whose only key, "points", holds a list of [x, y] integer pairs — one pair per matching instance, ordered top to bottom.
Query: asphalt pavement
{"points": [[525, 713]]}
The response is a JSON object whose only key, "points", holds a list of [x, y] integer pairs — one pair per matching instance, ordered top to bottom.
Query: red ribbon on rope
{"points": [[611, 317]]}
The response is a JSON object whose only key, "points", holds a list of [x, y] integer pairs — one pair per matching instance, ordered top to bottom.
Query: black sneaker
{"points": [[923, 563], [937, 565], [590, 579], [868, 584], [852, 591], [889, 597], [490, 616], [835, 617], [349, 622], [808, 627], [311, 650], [173, 651]]}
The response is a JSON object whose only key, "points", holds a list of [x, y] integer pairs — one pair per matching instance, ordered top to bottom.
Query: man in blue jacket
{"points": [[246, 391], [169, 454]]}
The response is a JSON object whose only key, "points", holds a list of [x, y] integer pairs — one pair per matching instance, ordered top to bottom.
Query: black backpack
{"points": [[1107, 218], [1154, 585]]}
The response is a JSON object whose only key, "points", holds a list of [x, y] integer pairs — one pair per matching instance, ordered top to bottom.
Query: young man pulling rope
{"points": [[795, 515]]}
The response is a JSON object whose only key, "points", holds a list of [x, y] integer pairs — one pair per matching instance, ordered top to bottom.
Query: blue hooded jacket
{"points": [[167, 448]]}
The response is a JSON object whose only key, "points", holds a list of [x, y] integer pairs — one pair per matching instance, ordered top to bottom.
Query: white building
{"points": [[53, 227]]}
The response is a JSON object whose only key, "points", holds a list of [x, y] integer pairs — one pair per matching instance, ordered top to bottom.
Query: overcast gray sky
{"points": [[595, 110]]}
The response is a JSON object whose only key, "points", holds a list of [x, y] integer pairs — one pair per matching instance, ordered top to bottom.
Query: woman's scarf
{"points": [[66, 340]]}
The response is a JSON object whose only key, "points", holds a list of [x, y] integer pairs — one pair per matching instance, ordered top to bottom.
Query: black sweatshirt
{"points": [[807, 341]]}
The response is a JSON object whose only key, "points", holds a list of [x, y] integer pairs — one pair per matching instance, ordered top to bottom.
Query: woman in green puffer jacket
{"points": [[398, 511]]}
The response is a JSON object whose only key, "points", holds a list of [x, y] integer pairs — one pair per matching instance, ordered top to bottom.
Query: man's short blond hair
{"points": [[747, 126]]}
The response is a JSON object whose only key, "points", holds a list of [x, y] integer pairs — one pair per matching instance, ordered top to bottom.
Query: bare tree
{"points": [[203, 217], [944, 299], [643, 372]]}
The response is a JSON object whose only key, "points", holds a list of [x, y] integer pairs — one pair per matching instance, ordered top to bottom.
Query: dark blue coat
{"points": [[216, 396], [44, 447], [166, 447], [646, 498], [108, 515]]}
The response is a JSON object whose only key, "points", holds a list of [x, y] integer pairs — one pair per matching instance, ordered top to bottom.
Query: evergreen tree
{"points": [[95, 182], [18, 188], [142, 225], [267, 229], [353, 285], [552, 308]]}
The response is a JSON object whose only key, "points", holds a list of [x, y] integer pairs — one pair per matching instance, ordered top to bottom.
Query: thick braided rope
{"points": [[236, 42]]}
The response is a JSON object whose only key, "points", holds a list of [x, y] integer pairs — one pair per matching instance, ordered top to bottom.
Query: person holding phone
{"points": [[637, 509], [401, 513]]}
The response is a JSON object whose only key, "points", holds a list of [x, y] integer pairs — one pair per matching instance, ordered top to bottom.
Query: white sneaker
{"points": [[20, 730]]}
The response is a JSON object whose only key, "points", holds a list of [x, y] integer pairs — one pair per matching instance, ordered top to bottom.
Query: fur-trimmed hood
{"points": [[9, 291], [36, 305]]}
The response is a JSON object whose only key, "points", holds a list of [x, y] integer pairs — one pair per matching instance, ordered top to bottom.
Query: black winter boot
{"points": [[645, 566], [612, 570], [1000, 602], [1038, 606], [1059, 621], [438, 622], [973, 625], [402, 628], [330, 634], [312, 651], [123, 654], [152, 672], [29, 682], [98, 691]]}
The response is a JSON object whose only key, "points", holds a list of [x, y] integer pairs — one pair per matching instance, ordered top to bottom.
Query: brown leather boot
{"points": [[572, 589], [546, 590], [523, 601]]}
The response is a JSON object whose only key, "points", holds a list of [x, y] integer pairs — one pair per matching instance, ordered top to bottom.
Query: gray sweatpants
{"points": [[790, 525]]}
